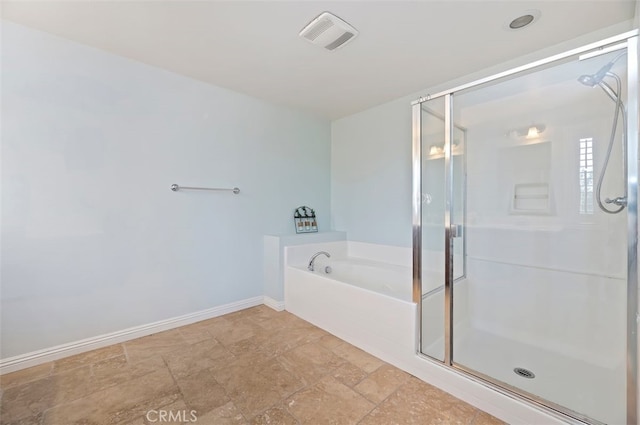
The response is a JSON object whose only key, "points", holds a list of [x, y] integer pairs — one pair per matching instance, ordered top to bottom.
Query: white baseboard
{"points": [[276, 305], [22, 361]]}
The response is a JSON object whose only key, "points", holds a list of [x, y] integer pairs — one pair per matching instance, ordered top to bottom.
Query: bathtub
{"points": [[382, 278], [364, 299]]}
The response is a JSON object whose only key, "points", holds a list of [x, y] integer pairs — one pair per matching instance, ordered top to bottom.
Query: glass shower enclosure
{"points": [[526, 230]]}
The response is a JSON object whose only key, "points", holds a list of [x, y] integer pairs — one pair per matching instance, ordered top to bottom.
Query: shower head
{"points": [[595, 79], [587, 80]]}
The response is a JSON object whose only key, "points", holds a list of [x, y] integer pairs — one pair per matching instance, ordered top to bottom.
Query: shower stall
{"points": [[526, 229]]}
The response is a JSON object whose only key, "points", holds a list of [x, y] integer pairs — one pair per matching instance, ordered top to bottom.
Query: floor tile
{"points": [[257, 313], [280, 320], [209, 323], [230, 331], [193, 334], [299, 335], [329, 341], [160, 343], [260, 347], [196, 357], [87, 358], [363, 360], [311, 362], [117, 370], [349, 374], [25, 375], [381, 383], [73, 384], [256, 387], [201, 392], [37, 396], [27, 400], [328, 402], [419, 403], [118, 404], [227, 414], [275, 416], [483, 418], [31, 420], [137, 421]]}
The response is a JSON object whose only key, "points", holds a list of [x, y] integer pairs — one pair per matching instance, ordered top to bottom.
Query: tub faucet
{"points": [[313, 258]]}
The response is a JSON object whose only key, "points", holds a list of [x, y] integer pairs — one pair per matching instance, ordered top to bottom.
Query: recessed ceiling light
{"points": [[522, 20]]}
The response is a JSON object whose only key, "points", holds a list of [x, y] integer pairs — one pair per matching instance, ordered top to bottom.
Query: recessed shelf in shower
{"points": [[531, 198]]}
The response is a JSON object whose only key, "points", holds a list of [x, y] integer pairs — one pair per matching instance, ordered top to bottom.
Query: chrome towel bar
{"points": [[176, 188]]}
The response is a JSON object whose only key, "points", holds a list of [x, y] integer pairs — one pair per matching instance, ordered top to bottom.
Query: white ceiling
{"points": [[254, 48]]}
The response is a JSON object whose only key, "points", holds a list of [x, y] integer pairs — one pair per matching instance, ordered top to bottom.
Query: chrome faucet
{"points": [[313, 258]]}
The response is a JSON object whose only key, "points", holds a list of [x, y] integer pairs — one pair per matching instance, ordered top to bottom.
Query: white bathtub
{"points": [[383, 278], [363, 300]]}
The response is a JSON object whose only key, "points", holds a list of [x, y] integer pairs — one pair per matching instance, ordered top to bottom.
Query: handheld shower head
{"points": [[594, 79], [597, 79], [587, 80]]}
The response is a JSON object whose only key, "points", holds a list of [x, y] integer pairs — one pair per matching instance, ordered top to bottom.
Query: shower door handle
{"points": [[456, 230]]}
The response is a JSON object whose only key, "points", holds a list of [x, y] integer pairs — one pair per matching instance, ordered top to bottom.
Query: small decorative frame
{"points": [[304, 219]]}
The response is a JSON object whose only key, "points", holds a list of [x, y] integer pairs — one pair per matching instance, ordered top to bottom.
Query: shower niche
{"points": [[531, 198], [525, 235]]}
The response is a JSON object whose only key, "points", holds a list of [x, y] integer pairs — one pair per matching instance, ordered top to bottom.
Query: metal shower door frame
{"points": [[633, 124]]}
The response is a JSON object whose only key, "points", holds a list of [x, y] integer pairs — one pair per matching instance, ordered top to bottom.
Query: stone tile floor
{"points": [[255, 366]]}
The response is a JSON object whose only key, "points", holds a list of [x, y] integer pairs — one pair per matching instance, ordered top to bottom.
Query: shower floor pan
{"points": [[594, 391]]}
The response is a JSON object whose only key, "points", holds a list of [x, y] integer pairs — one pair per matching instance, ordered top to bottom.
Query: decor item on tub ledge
{"points": [[304, 219]]}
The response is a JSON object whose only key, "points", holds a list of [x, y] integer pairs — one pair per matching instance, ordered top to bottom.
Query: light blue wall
{"points": [[371, 174], [93, 240]]}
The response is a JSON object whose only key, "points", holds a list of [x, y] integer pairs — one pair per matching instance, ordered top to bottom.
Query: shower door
{"points": [[440, 212], [525, 215]]}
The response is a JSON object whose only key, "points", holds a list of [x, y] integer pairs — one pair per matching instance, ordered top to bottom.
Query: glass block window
{"points": [[586, 176]]}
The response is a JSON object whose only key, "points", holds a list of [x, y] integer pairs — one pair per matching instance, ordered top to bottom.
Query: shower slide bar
{"points": [[176, 188]]}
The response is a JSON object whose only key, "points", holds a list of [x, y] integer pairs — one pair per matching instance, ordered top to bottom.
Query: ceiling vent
{"points": [[328, 31]]}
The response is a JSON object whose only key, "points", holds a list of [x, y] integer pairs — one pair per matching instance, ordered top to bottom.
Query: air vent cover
{"points": [[328, 31]]}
